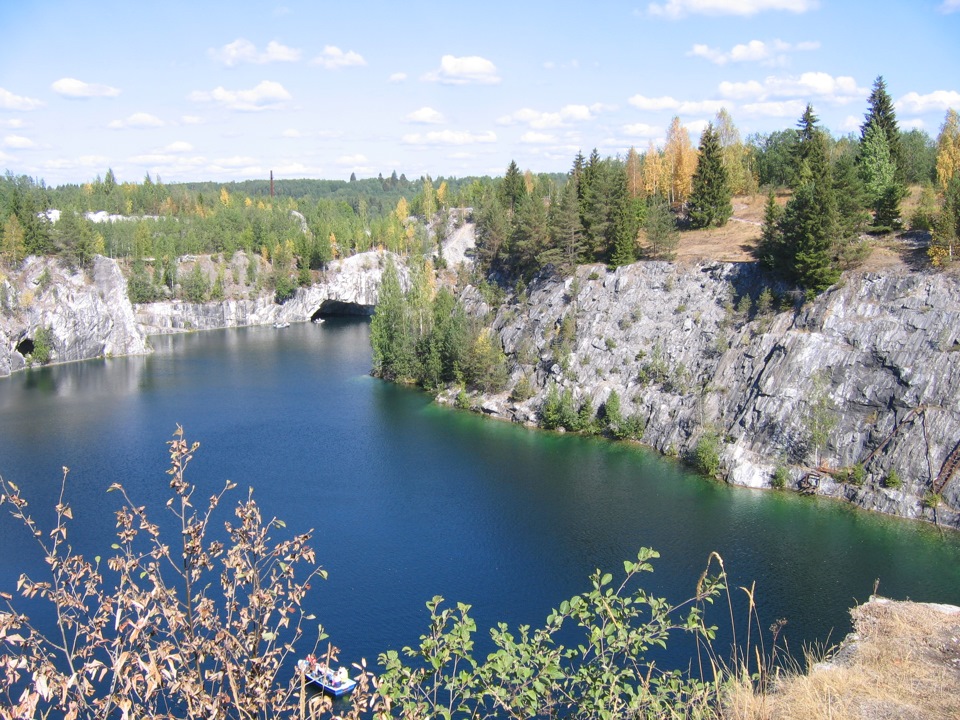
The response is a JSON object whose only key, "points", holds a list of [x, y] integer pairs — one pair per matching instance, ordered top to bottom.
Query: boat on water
{"points": [[317, 321], [279, 324], [333, 682]]}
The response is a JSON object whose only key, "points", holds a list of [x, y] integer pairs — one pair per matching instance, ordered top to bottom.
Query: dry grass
{"points": [[734, 242], [902, 663]]}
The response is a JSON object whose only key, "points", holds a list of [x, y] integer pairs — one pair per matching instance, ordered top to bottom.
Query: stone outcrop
{"points": [[347, 287], [86, 312], [874, 362]]}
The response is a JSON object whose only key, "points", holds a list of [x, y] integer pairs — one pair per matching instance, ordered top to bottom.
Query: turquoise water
{"points": [[409, 500]]}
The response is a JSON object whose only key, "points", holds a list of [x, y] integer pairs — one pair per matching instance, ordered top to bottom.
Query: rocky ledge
{"points": [[867, 376]]}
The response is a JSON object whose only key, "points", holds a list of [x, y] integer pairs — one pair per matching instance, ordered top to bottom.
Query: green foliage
{"points": [[709, 204], [661, 230], [195, 286], [139, 287], [42, 346], [523, 390], [462, 401], [550, 409], [820, 416], [706, 454], [853, 475], [780, 477], [893, 480], [932, 500], [604, 673]]}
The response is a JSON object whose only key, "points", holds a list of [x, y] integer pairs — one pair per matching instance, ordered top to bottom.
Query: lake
{"points": [[410, 500]]}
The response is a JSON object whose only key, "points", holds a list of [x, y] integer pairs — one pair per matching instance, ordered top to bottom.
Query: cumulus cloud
{"points": [[949, 6], [675, 9], [242, 50], [766, 53], [333, 58], [470, 70], [397, 77], [819, 85], [73, 88], [268, 95], [9, 101], [916, 104], [680, 107], [787, 108], [426, 116], [137, 120], [191, 120], [547, 120], [12, 123], [696, 128], [642, 130], [449, 137], [537, 138], [18, 142], [179, 146], [352, 160], [82, 161]]}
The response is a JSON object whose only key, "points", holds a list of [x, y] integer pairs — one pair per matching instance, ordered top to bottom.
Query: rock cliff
{"points": [[86, 312], [872, 366]]}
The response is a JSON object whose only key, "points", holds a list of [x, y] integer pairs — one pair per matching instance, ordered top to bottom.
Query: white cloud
{"points": [[949, 6], [674, 9], [242, 50], [772, 53], [333, 57], [464, 71], [397, 77], [809, 85], [73, 88], [268, 95], [9, 101], [916, 104], [681, 107], [787, 108], [427, 116], [137, 120], [191, 120], [547, 120], [12, 123], [850, 123], [915, 123], [695, 128], [642, 130], [292, 133], [449, 137], [536, 138], [18, 142], [179, 146], [168, 160], [351, 160], [83, 161], [234, 161]]}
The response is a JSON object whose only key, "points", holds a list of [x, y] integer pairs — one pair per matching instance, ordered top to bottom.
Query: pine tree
{"points": [[881, 114], [879, 173], [512, 189], [710, 196], [809, 222], [660, 230], [566, 232], [771, 250], [390, 340]]}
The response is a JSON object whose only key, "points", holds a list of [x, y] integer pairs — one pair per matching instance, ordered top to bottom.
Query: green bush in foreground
{"points": [[203, 628]]}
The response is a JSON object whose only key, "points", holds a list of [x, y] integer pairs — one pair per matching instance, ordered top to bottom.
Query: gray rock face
{"points": [[349, 287], [87, 313], [878, 357]]}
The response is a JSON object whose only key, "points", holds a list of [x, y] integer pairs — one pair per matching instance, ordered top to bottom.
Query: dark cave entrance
{"points": [[25, 347]]}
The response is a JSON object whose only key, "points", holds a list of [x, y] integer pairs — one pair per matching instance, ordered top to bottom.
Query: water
{"points": [[409, 500]]}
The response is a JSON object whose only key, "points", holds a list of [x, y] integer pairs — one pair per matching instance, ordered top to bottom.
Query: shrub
{"points": [[42, 346], [522, 391], [462, 401], [706, 454], [780, 477], [893, 480], [932, 500]]}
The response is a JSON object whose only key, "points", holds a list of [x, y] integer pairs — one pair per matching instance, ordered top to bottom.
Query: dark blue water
{"points": [[409, 500]]}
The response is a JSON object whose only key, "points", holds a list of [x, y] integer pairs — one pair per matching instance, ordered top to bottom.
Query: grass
{"points": [[902, 663]]}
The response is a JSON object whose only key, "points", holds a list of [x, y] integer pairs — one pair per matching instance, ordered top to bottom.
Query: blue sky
{"points": [[227, 91]]}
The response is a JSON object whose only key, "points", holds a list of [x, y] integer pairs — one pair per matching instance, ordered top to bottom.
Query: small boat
{"points": [[317, 321], [279, 324], [333, 682]]}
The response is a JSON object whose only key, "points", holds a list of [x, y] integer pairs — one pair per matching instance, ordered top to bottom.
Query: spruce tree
{"points": [[881, 114], [879, 173], [512, 189], [710, 198], [809, 224], [389, 337]]}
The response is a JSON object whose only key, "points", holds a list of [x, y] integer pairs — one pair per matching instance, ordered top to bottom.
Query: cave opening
{"points": [[334, 308], [25, 347]]}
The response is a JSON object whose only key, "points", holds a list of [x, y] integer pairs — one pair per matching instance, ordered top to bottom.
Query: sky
{"points": [[210, 90]]}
